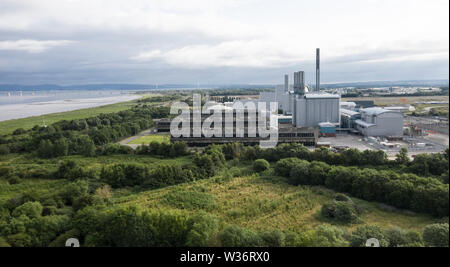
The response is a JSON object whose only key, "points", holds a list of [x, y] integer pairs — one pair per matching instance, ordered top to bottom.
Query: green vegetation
{"points": [[7, 127], [159, 138], [71, 179]]}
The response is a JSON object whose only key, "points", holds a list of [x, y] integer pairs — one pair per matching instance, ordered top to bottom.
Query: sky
{"points": [[70, 42]]}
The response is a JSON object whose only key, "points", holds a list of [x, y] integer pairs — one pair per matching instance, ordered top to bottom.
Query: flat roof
{"points": [[316, 95], [375, 111], [349, 112], [326, 124], [364, 124]]}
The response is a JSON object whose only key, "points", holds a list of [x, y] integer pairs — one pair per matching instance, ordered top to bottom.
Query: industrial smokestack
{"points": [[317, 69], [286, 83], [299, 83]]}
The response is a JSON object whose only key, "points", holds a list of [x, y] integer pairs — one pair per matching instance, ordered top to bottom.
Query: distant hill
{"points": [[389, 83], [39, 87]]}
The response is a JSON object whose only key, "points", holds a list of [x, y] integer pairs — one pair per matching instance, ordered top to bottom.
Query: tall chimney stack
{"points": [[317, 69], [286, 83], [299, 83]]}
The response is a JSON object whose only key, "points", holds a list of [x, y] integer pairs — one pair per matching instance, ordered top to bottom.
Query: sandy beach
{"points": [[24, 110]]}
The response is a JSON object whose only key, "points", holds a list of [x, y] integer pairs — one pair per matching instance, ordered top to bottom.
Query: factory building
{"points": [[283, 94], [360, 104], [348, 105], [314, 108], [308, 109], [304, 114], [349, 118], [380, 122], [327, 129]]}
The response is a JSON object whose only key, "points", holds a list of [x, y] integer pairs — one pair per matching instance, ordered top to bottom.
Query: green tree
{"points": [[86, 146], [61, 147], [45, 149], [402, 157], [261, 165], [284, 166], [300, 173], [30, 209], [341, 211], [204, 230], [363, 233], [436, 235], [234, 236], [329, 236], [274, 238]]}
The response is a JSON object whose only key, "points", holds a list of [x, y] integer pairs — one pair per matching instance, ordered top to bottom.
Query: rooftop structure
{"points": [[318, 69], [299, 83], [380, 122]]}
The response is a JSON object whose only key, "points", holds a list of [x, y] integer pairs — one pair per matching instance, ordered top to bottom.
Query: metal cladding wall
{"points": [[312, 110], [387, 124]]}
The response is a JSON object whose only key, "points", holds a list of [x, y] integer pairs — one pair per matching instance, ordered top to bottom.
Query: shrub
{"points": [[19, 131], [4, 150], [261, 165], [284, 166], [70, 170], [5, 172], [300, 173], [120, 175], [165, 175], [14, 180], [74, 190], [342, 198], [190, 200], [29, 209], [341, 211], [205, 228], [363, 233], [436, 235], [234, 236], [329, 236], [274, 238], [20, 240], [60, 241], [3, 243]]}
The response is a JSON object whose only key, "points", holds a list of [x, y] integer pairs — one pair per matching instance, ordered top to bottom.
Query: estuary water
{"points": [[22, 104]]}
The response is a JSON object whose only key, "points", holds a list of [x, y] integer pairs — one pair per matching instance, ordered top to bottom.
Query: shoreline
{"points": [[35, 109]]}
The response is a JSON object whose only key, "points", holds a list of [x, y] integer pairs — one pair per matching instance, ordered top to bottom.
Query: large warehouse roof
{"points": [[316, 95], [377, 111]]}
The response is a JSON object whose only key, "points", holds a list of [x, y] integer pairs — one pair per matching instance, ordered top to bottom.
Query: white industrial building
{"points": [[348, 105], [308, 108], [314, 108], [380, 122]]}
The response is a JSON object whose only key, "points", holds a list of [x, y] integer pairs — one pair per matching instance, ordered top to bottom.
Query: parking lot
{"points": [[434, 143]]}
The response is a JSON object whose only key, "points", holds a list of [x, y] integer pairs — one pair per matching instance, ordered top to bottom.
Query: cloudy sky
{"points": [[221, 41]]}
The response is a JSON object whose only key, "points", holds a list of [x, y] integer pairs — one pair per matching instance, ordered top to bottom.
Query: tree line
{"points": [[84, 137], [404, 191]]}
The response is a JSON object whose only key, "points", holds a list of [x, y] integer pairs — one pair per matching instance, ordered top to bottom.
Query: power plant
{"points": [[307, 109], [304, 114]]}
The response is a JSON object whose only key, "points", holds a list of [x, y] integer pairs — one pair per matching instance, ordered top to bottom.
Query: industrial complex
{"points": [[306, 115]]}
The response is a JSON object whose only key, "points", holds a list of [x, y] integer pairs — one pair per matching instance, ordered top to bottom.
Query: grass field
{"points": [[7, 127], [160, 138], [19, 162], [249, 200], [263, 203]]}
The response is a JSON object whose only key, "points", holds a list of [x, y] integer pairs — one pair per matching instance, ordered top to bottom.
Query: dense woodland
{"points": [[84, 207]]}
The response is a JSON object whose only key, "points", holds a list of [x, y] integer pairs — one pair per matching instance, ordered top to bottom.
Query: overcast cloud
{"points": [[221, 41]]}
